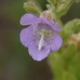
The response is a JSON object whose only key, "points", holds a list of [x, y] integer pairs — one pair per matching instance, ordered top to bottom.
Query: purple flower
{"points": [[40, 37]]}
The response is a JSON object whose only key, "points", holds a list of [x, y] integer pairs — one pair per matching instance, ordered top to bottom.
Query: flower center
{"points": [[44, 29], [43, 32], [46, 33], [41, 42]]}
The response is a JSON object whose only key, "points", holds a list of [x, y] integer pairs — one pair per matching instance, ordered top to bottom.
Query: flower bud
{"points": [[31, 8], [47, 14], [72, 26], [75, 39]]}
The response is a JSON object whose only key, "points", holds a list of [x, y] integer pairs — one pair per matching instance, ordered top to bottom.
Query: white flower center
{"points": [[43, 29], [43, 32], [41, 42]]}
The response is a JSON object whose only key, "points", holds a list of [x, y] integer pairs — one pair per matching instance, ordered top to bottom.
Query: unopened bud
{"points": [[31, 8], [47, 14]]}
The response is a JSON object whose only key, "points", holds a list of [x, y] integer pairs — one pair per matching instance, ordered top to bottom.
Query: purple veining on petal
{"points": [[28, 19], [36, 54]]}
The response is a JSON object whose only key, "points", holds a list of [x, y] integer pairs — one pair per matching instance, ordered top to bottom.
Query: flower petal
{"points": [[28, 19], [53, 24], [56, 26], [26, 36], [56, 42], [36, 54]]}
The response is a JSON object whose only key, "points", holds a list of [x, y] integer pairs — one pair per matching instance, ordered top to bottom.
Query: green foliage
{"points": [[52, 2], [60, 7], [64, 7], [32, 8], [72, 26], [69, 52], [57, 65], [65, 66], [74, 67], [68, 76]]}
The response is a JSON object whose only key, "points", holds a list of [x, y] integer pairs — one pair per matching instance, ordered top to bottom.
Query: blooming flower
{"points": [[40, 37]]}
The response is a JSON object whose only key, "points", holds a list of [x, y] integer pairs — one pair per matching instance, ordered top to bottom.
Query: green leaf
{"points": [[60, 7], [72, 26]]}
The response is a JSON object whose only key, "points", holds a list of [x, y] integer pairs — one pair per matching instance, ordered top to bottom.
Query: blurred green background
{"points": [[15, 62]]}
